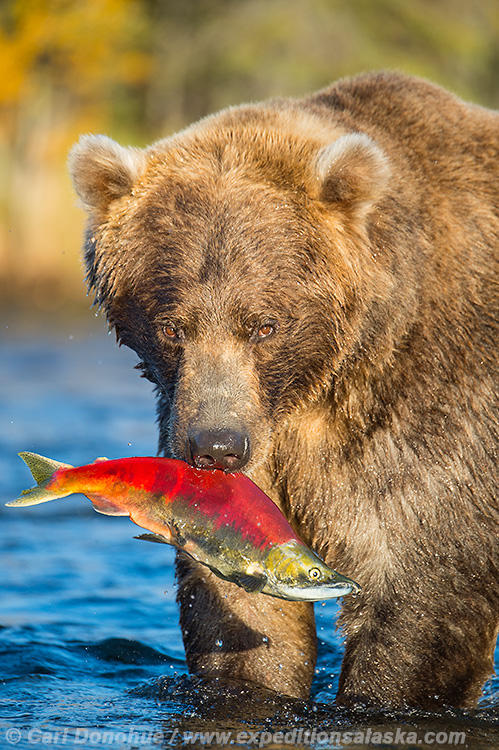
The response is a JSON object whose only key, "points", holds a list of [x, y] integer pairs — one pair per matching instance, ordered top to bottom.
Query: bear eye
{"points": [[264, 330], [171, 332], [314, 574]]}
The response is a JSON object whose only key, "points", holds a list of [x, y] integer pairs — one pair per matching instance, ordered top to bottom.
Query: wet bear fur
{"points": [[320, 275]]}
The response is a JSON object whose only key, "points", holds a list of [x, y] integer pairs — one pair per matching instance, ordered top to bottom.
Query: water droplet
{"points": [[219, 643]]}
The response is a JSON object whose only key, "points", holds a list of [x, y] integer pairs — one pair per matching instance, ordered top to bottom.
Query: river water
{"points": [[90, 648]]}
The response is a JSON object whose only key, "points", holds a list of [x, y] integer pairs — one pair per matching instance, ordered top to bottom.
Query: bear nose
{"points": [[219, 449]]}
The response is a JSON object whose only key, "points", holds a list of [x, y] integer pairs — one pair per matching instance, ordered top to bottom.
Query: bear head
{"points": [[236, 259]]}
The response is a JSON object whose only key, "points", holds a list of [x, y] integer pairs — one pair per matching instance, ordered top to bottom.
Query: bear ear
{"points": [[103, 171], [353, 172]]}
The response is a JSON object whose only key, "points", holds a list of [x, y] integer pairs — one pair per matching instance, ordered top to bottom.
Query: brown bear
{"points": [[312, 285]]}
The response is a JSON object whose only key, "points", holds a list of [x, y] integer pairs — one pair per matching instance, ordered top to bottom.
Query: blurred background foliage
{"points": [[140, 69]]}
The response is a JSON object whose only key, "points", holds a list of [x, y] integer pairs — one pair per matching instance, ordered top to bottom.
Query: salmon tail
{"points": [[42, 470]]}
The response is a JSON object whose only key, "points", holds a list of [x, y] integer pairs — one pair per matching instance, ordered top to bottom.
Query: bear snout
{"points": [[226, 449]]}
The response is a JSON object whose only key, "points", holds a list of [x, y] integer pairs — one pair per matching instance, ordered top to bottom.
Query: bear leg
{"points": [[251, 637]]}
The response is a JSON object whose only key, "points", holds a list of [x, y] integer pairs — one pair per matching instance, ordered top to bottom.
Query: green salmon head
{"points": [[295, 572]]}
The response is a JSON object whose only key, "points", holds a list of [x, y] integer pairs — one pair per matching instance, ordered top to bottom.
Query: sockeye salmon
{"points": [[221, 520]]}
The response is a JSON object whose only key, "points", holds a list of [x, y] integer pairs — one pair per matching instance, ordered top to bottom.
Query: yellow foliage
{"points": [[85, 45]]}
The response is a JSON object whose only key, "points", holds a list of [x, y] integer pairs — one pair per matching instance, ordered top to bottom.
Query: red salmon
{"points": [[222, 520]]}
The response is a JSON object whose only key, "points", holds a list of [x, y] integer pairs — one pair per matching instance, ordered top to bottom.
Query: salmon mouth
{"points": [[319, 593]]}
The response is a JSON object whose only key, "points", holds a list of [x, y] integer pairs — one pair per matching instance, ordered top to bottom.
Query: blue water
{"points": [[90, 648]]}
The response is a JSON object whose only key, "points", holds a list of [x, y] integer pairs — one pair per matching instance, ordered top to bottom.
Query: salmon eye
{"points": [[314, 574]]}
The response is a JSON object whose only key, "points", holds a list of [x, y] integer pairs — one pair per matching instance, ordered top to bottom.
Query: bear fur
{"points": [[318, 279]]}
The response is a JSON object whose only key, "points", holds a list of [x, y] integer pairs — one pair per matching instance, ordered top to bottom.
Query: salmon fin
{"points": [[40, 467], [42, 470], [36, 495], [107, 507], [153, 538], [178, 538], [250, 583]]}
